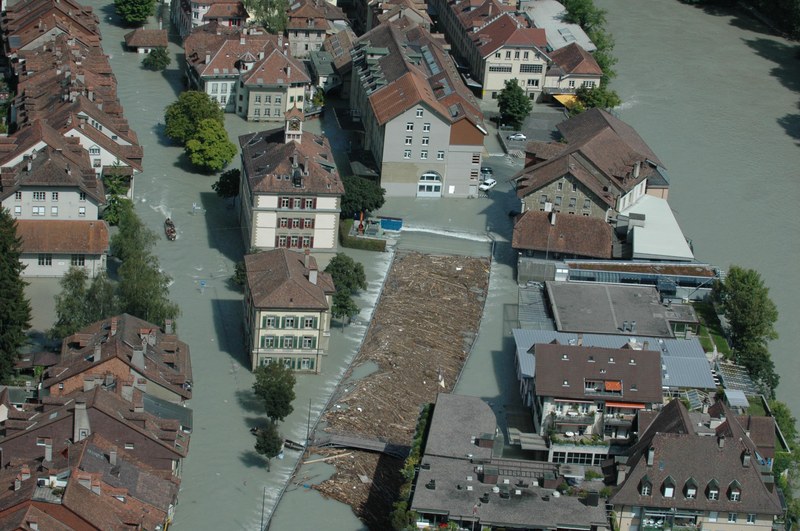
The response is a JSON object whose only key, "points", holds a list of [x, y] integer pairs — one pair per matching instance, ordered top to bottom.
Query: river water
{"points": [[715, 96]]}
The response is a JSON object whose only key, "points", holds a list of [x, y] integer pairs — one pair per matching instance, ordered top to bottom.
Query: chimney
{"points": [[242, 40], [280, 42], [261, 54], [208, 58], [289, 71], [29, 166], [305, 166], [636, 167], [552, 218], [307, 259], [312, 275], [113, 326], [624, 326], [633, 326], [168, 327], [580, 339], [645, 345], [96, 354], [137, 358], [138, 403], [80, 422], [721, 441], [48, 450], [651, 453], [112, 456], [746, 459], [25, 472], [622, 473], [17, 484], [96, 486]]}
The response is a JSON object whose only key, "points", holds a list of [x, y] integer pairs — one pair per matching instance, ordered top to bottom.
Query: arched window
{"points": [[645, 487], [690, 489], [712, 490], [734, 491]]}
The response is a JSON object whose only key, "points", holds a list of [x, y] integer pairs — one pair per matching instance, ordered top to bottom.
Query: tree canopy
{"points": [[135, 12], [583, 13], [272, 14], [157, 59], [599, 97], [513, 104], [183, 116], [209, 148], [228, 183], [361, 194], [132, 236], [348, 275], [745, 302], [81, 303], [344, 306], [15, 310], [274, 385], [269, 442]]}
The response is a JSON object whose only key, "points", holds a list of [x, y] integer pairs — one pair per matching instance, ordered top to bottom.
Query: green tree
{"points": [[135, 12], [583, 13], [272, 14], [157, 59], [599, 97], [319, 98], [513, 104], [182, 116], [209, 148], [228, 183], [361, 194], [132, 237], [239, 273], [348, 275], [144, 289], [101, 299], [745, 303], [344, 307], [71, 308], [15, 310], [757, 360], [274, 385], [785, 420], [269, 442]]}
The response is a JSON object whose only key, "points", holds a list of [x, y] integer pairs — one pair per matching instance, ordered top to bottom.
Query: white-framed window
{"points": [[508, 54], [525, 55], [530, 69], [533, 82], [588, 84], [223, 87], [214, 88], [258, 98], [223, 99], [277, 100], [256, 112], [419, 113], [409, 126], [426, 128], [409, 140], [426, 140], [94, 150], [407, 154], [423, 154], [440, 155], [96, 163], [560, 186], [18, 196], [39, 196], [54, 196], [82, 196], [573, 201], [284, 202], [309, 203], [18, 210], [37, 211], [54, 211], [82, 212], [283, 223], [296, 223], [308, 223], [282, 241], [295, 241], [306, 242], [45, 259], [78, 260], [269, 321], [288, 322], [308, 322], [267, 341], [308, 341], [288, 342], [287, 362], [305, 364], [129, 446], [646, 489], [713, 494], [736, 494], [712, 516], [732, 518], [751, 518]]}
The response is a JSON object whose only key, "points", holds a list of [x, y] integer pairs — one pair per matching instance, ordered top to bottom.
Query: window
{"points": [[497, 55], [508, 55], [516, 55], [525, 55], [506, 69], [530, 69], [533, 82], [588, 84], [223, 87], [214, 88], [258, 98], [291, 98], [299, 98], [223, 99], [267, 99], [277, 100], [256, 112], [266, 112], [419, 113], [410, 126], [426, 128], [409, 139], [426, 140], [94, 150], [407, 154], [423, 154], [440, 155], [476, 158], [96, 163], [560, 186], [574, 187], [18, 196], [39, 196], [54, 196], [82, 196], [543, 199], [558, 200], [573, 201], [284, 202], [309, 203], [587, 204], [18, 210], [37, 211], [54, 211], [82, 212], [283, 223], [296, 223], [308, 223], [282, 241], [295, 241], [306, 242], [45, 259], [269, 322], [288, 322], [308, 322], [267, 341], [288, 342], [308, 342], [287, 362], [306, 364], [129, 446], [669, 488], [646, 489], [735, 492], [713, 494], [712, 516], [732, 518], [751, 518]]}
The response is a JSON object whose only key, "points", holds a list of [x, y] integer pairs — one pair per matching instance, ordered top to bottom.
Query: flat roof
{"points": [[548, 15], [661, 238], [649, 268], [605, 308], [683, 361], [736, 398], [457, 421], [519, 502]]}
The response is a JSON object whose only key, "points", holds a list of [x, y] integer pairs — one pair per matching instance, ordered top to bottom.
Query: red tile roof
{"points": [[225, 11], [26, 21], [507, 30], [145, 38], [224, 47], [573, 59], [276, 68], [571, 234], [63, 237], [278, 279]]}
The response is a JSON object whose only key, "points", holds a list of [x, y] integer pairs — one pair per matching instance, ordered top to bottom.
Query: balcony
{"points": [[575, 418], [618, 419]]}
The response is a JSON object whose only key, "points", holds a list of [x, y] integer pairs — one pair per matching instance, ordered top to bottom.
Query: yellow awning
{"points": [[567, 100]]}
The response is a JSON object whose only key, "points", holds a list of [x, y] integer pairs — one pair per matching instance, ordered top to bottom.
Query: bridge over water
{"points": [[359, 442]]}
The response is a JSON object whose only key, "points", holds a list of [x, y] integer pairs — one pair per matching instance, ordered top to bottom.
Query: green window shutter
{"points": [[263, 321], [297, 323], [314, 324], [314, 342], [311, 364]]}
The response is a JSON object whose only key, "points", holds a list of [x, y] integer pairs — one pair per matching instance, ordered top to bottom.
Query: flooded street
{"points": [[715, 97]]}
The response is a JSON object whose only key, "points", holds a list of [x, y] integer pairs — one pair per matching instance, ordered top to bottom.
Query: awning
{"points": [[567, 100], [613, 386], [571, 401], [625, 405]]}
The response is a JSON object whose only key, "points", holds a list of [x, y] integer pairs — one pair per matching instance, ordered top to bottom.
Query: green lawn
{"points": [[710, 329], [756, 406]]}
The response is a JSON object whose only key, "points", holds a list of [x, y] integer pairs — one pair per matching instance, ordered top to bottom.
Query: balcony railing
{"points": [[573, 417]]}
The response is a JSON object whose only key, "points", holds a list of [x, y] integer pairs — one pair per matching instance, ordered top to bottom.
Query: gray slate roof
{"points": [[457, 420]]}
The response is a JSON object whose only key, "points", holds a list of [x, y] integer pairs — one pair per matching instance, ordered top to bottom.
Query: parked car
{"points": [[517, 137], [487, 170], [487, 185]]}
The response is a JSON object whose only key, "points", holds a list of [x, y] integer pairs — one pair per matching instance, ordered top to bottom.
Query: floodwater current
{"points": [[716, 98]]}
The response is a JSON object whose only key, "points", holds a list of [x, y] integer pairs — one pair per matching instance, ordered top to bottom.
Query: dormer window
{"points": [[564, 357], [565, 384], [645, 487], [668, 488], [690, 489], [712, 491], [735, 491]]}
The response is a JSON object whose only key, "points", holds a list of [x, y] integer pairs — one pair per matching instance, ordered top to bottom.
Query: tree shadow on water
{"points": [[785, 56], [791, 124]]}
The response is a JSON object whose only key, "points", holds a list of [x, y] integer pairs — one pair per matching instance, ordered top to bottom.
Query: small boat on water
{"points": [[169, 229], [293, 445]]}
